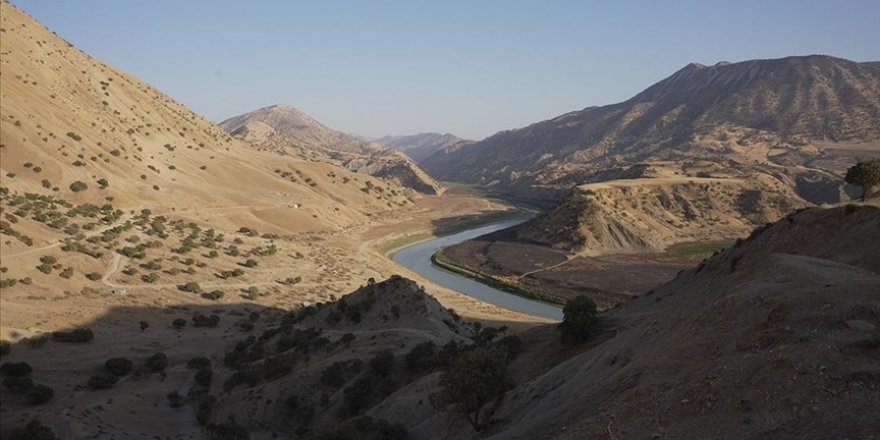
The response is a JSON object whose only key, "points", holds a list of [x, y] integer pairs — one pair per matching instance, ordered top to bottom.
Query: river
{"points": [[417, 258]]}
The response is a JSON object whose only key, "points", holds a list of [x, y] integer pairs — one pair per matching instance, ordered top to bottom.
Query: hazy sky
{"points": [[468, 67]]}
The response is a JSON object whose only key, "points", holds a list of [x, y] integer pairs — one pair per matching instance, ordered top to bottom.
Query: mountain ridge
{"points": [[285, 129]]}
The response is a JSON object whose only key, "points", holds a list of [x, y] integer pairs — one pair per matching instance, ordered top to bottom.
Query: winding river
{"points": [[417, 258]]}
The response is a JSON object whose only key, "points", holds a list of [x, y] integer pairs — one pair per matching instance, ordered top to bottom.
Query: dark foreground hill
{"points": [[775, 338]]}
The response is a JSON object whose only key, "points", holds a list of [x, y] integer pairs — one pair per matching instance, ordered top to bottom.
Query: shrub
{"points": [[74, 136], [103, 183], [78, 186], [250, 263], [94, 276], [191, 286], [213, 295], [579, 314], [206, 321], [179, 323], [144, 325], [75, 335], [347, 338], [5, 347], [421, 357], [157, 362], [198, 363], [382, 363], [119, 366], [16, 369], [334, 375], [203, 377], [102, 381], [18, 385], [40, 394], [174, 399], [205, 408], [34, 430], [227, 431]]}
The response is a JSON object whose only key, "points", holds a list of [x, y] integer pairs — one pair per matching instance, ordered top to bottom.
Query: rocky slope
{"points": [[802, 118], [287, 130], [419, 146], [649, 215]]}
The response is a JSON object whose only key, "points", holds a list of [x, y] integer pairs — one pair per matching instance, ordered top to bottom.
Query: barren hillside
{"points": [[802, 118], [287, 130]]}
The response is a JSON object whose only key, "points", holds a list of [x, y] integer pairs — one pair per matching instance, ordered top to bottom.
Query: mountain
{"points": [[801, 119], [287, 130], [419, 146], [113, 193]]}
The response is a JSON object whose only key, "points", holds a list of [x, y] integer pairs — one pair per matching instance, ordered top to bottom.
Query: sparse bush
{"points": [[78, 186], [94, 276], [191, 286], [213, 295], [206, 321], [179, 323], [75, 335], [421, 357], [157, 362], [198, 363], [382, 363], [119, 366], [16, 369], [203, 377], [102, 381], [18, 385], [40, 394], [174, 399], [34, 430]]}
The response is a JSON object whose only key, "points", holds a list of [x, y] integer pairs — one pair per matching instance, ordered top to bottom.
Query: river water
{"points": [[417, 258]]}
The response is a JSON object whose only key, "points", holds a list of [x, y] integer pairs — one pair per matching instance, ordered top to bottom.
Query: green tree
{"points": [[866, 174], [579, 314], [476, 378]]}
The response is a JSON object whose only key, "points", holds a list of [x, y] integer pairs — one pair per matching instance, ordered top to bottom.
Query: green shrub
{"points": [[78, 186], [94, 276], [213, 295], [206, 321], [476, 378]]}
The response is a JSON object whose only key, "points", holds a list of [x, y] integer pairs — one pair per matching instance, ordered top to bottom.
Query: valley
{"points": [[698, 261]]}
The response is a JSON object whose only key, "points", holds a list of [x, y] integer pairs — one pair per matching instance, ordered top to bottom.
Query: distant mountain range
{"points": [[805, 118], [287, 130], [419, 146]]}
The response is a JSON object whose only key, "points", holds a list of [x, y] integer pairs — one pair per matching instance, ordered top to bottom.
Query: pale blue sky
{"points": [[467, 67]]}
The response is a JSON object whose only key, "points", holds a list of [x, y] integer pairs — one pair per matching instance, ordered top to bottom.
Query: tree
{"points": [[866, 174], [579, 314], [476, 378]]}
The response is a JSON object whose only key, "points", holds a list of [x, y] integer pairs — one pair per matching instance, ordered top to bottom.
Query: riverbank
{"points": [[440, 260]]}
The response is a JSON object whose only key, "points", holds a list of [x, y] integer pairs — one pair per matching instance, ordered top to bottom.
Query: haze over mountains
{"points": [[285, 129], [419, 146]]}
